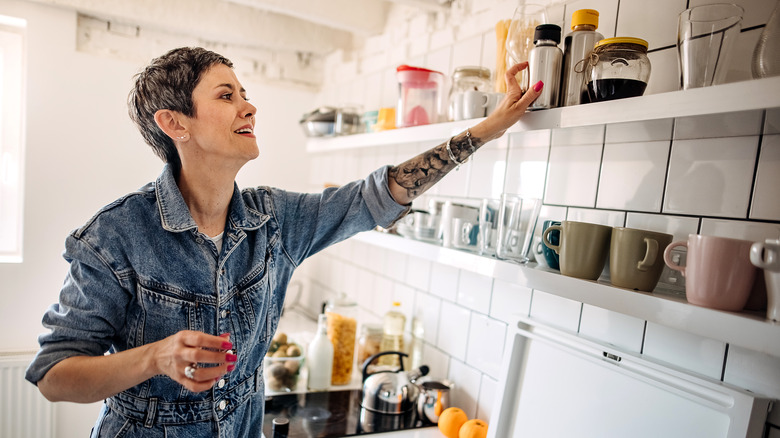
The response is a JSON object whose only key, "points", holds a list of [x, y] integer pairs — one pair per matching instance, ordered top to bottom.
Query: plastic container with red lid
{"points": [[419, 96]]}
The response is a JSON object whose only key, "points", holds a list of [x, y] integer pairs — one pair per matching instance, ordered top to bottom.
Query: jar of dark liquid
{"points": [[617, 68]]}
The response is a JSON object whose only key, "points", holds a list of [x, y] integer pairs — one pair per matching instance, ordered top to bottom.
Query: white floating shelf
{"points": [[739, 96], [748, 330]]}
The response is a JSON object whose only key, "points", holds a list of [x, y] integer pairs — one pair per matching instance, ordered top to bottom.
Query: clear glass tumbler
{"points": [[705, 38], [517, 218]]}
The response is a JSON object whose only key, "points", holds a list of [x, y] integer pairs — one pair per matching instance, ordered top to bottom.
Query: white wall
{"points": [[82, 152]]}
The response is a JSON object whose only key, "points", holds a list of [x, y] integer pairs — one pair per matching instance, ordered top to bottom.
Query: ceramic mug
{"points": [[475, 104], [456, 106], [583, 248], [551, 257], [767, 257], [636, 258], [718, 273]]}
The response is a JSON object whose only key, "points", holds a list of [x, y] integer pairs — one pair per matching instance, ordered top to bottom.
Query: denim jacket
{"points": [[140, 271]]}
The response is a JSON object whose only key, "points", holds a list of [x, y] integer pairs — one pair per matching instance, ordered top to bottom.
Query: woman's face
{"points": [[223, 125]]}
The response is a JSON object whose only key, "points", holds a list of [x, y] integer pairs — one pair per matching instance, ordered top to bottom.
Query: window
{"points": [[11, 137]]}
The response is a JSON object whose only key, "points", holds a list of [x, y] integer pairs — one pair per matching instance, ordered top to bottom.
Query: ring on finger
{"points": [[189, 371]]}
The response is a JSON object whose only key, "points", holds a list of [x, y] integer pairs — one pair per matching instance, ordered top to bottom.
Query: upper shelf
{"points": [[738, 96], [749, 330]]}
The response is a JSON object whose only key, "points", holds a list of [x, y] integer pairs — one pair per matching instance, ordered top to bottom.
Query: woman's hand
{"points": [[510, 109], [174, 354]]}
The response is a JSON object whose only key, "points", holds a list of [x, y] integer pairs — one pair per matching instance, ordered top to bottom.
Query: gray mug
{"points": [[636, 258]]}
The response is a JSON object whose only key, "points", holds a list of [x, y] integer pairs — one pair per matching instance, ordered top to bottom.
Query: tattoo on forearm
{"points": [[423, 171]]}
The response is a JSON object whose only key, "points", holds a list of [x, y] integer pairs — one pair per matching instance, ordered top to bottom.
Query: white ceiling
{"points": [[308, 26]]}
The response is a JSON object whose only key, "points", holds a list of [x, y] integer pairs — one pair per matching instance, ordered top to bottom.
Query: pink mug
{"points": [[718, 273]]}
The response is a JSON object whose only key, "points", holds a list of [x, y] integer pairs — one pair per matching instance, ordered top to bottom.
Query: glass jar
{"points": [[617, 68], [467, 78], [342, 328], [370, 343]]}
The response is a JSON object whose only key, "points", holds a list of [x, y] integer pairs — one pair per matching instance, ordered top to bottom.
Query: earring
{"points": [[184, 137]]}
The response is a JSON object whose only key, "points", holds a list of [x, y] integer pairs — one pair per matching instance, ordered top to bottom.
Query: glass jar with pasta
{"points": [[342, 329]]}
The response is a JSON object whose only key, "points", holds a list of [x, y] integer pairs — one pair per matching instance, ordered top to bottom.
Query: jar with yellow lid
{"points": [[617, 68]]}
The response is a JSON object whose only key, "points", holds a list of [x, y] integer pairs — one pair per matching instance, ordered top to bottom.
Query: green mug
{"points": [[583, 248], [636, 258]]}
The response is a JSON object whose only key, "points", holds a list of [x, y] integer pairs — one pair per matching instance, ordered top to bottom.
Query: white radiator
{"points": [[24, 412]]}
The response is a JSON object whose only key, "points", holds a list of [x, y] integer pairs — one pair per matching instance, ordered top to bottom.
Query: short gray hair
{"points": [[167, 83]]}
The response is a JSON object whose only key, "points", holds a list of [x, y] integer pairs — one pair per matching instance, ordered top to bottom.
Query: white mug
{"points": [[474, 104], [456, 107], [766, 256]]}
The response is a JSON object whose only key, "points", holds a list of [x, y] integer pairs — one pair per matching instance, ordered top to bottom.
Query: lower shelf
{"points": [[744, 329]]}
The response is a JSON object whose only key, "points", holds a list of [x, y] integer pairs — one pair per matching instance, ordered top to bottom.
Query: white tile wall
{"points": [[656, 24], [466, 52], [664, 72], [745, 123], [645, 131], [526, 169], [487, 170], [572, 176], [633, 176], [711, 176], [766, 193], [604, 217], [678, 226], [757, 231], [418, 273], [444, 282], [474, 291], [509, 301], [427, 310], [556, 311], [453, 330], [622, 331], [486, 344], [685, 350], [438, 361], [754, 371], [466, 389], [487, 393]]}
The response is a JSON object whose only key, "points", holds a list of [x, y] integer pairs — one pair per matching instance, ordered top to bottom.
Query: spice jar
{"points": [[617, 68], [466, 78], [342, 327]]}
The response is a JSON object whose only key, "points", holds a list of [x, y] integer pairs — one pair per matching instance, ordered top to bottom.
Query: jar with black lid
{"points": [[617, 68]]}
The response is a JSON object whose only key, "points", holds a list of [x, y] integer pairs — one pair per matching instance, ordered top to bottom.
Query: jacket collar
{"points": [[175, 215]]}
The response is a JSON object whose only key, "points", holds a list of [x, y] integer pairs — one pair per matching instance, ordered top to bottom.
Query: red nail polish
{"points": [[538, 86], [224, 335], [227, 345], [231, 357], [231, 367]]}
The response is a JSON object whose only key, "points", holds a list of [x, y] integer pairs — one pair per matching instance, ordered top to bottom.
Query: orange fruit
{"points": [[450, 421], [473, 429]]}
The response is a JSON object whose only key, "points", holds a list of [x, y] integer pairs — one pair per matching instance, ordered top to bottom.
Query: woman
{"points": [[183, 281]]}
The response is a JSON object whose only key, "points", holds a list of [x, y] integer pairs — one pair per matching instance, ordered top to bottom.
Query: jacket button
{"points": [[224, 313], [221, 384], [222, 405]]}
